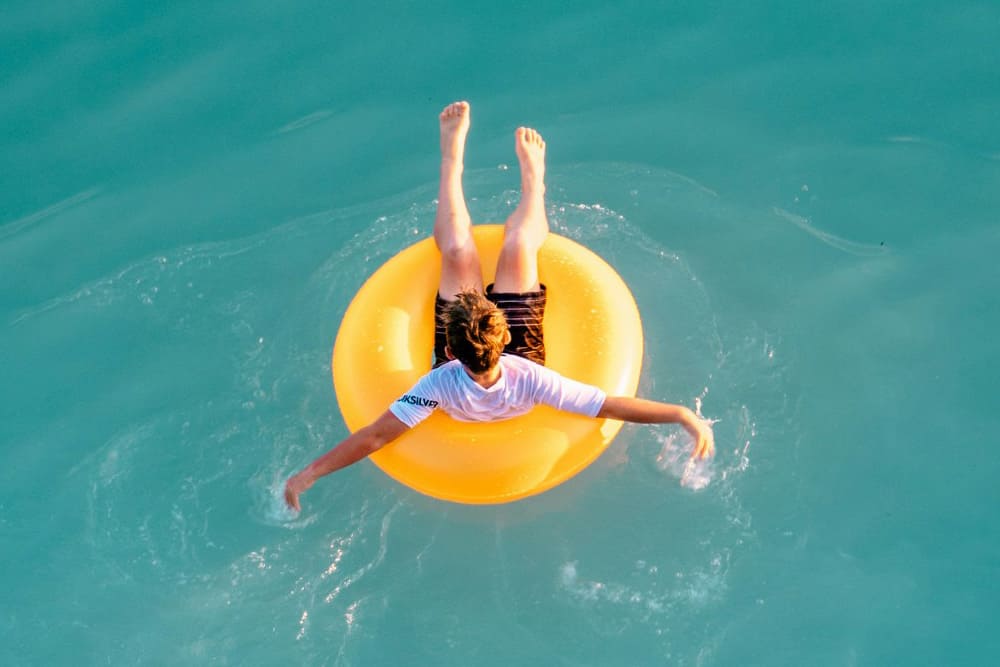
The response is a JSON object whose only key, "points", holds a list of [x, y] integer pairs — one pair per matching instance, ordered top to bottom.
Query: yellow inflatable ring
{"points": [[592, 334]]}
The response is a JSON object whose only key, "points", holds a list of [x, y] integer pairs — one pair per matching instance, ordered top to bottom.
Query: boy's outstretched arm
{"points": [[643, 411], [350, 450]]}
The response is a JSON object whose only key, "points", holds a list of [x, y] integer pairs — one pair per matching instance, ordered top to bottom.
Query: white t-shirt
{"points": [[522, 385]]}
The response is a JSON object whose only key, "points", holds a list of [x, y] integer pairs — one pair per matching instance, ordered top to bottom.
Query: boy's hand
{"points": [[704, 440], [295, 485]]}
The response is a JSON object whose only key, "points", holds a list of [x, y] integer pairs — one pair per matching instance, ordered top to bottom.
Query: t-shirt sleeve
{"points": [[562, 393], [418, 403]]}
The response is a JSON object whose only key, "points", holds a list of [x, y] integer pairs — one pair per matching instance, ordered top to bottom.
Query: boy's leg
{"points": [[452, 225], [527, 227], [516, 289]]}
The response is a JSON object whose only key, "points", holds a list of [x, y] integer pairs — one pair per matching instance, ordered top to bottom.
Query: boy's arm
{"points": [[642, 411], [350, 450]]}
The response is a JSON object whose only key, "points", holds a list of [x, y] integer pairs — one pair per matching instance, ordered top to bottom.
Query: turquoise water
{"points": [[803, 197]]}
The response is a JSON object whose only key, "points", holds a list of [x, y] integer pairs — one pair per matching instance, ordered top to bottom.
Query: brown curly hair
{"points": [[476, 330]]}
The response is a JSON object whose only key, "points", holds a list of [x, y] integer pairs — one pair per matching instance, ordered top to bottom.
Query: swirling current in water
{"points": [[234, 344]]}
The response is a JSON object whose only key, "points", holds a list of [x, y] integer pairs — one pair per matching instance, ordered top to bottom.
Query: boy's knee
{"points": [[522, 242], [458, 252]]}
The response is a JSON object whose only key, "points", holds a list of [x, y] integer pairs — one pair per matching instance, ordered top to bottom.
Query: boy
{"points": [[488, 346]]}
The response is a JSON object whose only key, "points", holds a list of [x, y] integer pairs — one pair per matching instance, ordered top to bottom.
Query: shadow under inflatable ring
{"points": [[592, 333]]}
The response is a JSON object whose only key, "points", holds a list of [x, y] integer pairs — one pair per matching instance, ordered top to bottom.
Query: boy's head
{"points": [[476, 331]]}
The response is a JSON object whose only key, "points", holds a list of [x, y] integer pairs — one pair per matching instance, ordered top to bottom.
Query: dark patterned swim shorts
{"points": [[524, 312]]}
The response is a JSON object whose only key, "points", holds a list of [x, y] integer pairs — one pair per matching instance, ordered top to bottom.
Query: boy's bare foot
{"points": [[454, 127], [530, 150]]}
